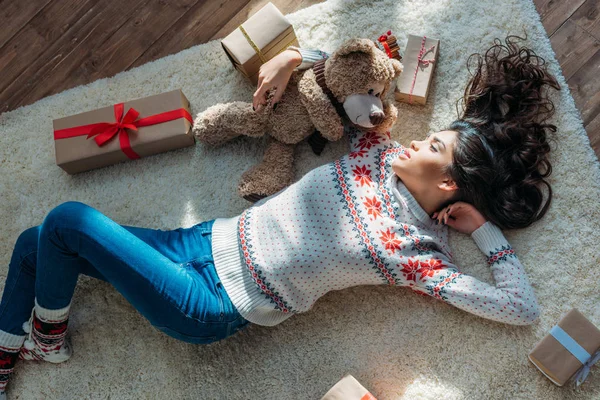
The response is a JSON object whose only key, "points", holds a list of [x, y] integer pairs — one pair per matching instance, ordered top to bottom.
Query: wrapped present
{"points": [[263, 36], [419, 61], [124, 131], [569, 351], [348, 388]]}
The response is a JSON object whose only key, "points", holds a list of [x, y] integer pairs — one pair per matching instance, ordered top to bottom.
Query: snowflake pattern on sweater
{"points": [[353, 222]]}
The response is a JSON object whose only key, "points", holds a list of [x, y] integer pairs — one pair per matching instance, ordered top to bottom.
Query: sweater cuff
{"points": [[309, 56], [488, 238]]}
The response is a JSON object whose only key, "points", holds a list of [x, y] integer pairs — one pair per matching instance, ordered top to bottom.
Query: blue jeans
{"points": [[168, 276]]}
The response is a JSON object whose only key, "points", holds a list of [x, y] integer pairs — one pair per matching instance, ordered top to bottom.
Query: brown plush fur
{"points": [[304, 107]]}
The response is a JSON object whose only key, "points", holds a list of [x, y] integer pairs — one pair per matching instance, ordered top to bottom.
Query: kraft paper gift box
{"points": [[263, 36], [420, 57], [123, 131], [569, 351], [348, 388]]}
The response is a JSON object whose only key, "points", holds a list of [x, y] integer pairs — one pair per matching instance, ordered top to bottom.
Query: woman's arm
{"points": [[276, 73], [511, 301]]}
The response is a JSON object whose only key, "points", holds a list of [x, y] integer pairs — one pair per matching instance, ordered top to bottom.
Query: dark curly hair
{"points": [[500, 157]]}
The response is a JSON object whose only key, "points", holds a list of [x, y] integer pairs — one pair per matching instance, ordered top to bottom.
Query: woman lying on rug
{"points": [[378, 215]]}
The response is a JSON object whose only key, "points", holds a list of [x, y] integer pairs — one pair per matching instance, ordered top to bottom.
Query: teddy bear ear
{"points": [[356, 45]]}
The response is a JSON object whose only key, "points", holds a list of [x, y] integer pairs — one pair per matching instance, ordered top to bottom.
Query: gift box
{"points": [[264, 35], [420, 57], [123, 131], [569, 351], [348, 388]]}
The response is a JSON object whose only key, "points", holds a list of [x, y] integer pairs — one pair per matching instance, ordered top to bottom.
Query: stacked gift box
{"points": [[264, 35]]}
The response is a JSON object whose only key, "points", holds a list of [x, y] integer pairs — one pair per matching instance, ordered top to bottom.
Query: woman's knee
{"points": [[71, 214]]}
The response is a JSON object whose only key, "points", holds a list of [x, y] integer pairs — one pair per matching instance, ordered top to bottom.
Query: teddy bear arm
{"points": [[320, 110]]}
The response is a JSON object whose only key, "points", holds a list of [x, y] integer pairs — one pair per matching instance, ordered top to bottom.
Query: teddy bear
{"points": [[349, 87]]}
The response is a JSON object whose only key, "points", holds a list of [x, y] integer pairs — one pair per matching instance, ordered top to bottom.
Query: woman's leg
{"points": [[147, 266], [168, 276], [19, 288], [18, 299]]}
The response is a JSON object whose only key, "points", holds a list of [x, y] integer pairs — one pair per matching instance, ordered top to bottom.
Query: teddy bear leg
{"points": [[223, 122], [275, 172]]}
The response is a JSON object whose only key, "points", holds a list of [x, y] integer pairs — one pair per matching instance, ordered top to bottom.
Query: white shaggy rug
{"points": [[398, 345]]}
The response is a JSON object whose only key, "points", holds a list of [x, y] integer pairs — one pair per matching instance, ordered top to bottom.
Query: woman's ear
{"points": [[448, 185]]}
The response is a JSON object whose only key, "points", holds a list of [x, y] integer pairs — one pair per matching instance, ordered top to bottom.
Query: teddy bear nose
{"points": [[376, 117]]}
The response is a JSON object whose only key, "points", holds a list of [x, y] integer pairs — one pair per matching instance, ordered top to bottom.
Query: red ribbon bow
{"points": [[383, 40], [105, 131]]}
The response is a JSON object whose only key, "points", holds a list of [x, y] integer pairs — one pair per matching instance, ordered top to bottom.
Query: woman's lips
{"points": [[405, 155]]}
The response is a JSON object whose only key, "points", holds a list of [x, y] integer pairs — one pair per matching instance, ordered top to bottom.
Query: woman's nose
{"points": [[413, 145]]}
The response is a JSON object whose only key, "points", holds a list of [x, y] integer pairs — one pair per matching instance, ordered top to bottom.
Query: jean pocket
{"points": [[196, 339]]}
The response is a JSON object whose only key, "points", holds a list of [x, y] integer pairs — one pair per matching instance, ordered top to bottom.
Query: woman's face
{"points": [[422, 167]]}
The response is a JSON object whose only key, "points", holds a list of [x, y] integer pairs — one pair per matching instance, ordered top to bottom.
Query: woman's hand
{"points": [[275, 74], [461, 216]]}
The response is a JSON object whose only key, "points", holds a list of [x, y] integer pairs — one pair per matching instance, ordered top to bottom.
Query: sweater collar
{"points": [[407, 200]]}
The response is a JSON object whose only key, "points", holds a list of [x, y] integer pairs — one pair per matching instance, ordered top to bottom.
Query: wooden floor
{"points": [[573, 27], [47, 46]]}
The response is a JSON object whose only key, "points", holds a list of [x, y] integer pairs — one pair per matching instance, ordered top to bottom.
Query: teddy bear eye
{"points": [[370, 91], [377, 94]]}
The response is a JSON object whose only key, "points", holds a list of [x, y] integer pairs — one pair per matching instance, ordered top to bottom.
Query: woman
{"points": [[375, 216]]}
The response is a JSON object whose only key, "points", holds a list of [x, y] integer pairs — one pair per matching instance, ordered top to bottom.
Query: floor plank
{"points": [[554, 13], [16, 14], [588, 17], [197, 26], [132, 39], [35, 41], [573, 47], [69, 59], [585, 87], [594, 126]]}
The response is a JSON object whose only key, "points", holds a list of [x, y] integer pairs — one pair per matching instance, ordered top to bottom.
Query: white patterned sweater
{"points": [[353, 222]]}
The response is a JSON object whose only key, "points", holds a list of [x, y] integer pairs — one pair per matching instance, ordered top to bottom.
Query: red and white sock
{"points": [[47, 330], [10, 345]]}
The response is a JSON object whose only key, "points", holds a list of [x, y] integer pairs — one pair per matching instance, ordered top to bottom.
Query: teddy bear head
{"points": [[359, 75]]}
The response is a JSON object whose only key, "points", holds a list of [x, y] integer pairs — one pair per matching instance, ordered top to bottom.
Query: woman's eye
{"points": [[432, 148]]}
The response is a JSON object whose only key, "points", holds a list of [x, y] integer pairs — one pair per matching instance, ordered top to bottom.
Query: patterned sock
{"points": [[47, 331], [9, 353]]}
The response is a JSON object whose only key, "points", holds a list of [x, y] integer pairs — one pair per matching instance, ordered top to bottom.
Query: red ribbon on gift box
{"points": [[383, 40], [420, 61], [105, 131]]}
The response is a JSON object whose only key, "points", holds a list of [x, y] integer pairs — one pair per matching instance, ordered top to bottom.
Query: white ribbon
{"points": [[585, 370]]}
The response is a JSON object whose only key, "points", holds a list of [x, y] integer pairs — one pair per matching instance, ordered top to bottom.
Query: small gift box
{"points": [[263, 36], [420, 57], [144, 127], [569, 351], [348, 388]]}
